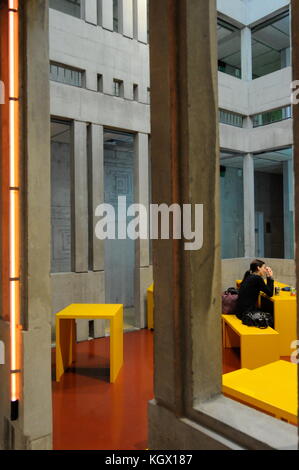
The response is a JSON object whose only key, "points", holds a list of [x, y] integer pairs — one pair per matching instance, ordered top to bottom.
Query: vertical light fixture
{"points": [[14, 203]]}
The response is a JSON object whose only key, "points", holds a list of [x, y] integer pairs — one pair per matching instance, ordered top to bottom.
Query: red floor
{"points": [[89, 413]]}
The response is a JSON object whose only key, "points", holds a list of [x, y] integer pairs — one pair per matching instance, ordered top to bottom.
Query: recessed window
{"points": [[70, 7], [115, 16], [271, 45], [229, 49], [65, 74], [100, 83], [118, 88], [135, 92], [148, 95], [270, 117], [231, 119]]}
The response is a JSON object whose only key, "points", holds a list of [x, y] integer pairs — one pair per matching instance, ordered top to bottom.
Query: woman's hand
{"points": [[269, 272]]}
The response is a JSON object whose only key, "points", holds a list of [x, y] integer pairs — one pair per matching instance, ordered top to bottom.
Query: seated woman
{"points": [[252, 285]]}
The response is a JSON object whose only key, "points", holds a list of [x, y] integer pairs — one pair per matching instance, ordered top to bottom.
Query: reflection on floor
{"points": [[90, 413]]}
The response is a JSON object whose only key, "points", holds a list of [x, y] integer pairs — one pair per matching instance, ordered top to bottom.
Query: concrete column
{"points": [[91, 11], [106, 14], [127, 18], [140, 20], [246, 54], [96, 161], [288, 203], [249, 206], [80, 211], [80, 214], [142, 280]]}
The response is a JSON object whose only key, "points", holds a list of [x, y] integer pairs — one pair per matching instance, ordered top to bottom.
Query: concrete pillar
{"points": [[91, 11], [106, 14], [127, 18], [140, 20], [246, 54], [295, 61], [96, 171], [288, 203], [249, 206], [80, 211], [142, 272], [33, 428]]}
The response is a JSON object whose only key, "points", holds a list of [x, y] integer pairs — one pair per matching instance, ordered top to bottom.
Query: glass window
{"points": [[70, 7], [115, 16], [271, 45], [229, 49], [66, 74], [100, 83], [118, 88], [230, 118], [263, 119], [61, 163], [232, 206]]}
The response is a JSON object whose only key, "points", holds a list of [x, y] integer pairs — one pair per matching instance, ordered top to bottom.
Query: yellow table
{"points": [[150, 307], [285, 317], [66, 334], [257, 346], [271, 388]]}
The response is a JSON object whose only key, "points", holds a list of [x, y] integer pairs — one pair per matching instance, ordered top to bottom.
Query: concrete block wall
{"points": [[233, 269]]}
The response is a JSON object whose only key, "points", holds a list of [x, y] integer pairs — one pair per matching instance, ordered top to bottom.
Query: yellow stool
{"points": [[150, 307], [66, 334], [257, 346], [271, 388]]}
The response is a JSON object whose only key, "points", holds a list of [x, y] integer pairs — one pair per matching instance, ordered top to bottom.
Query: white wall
{"points": [[235, 9], [257, 10], [99, 51]]}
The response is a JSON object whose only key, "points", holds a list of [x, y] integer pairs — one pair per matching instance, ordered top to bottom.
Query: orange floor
{"points": [[89, 413]]}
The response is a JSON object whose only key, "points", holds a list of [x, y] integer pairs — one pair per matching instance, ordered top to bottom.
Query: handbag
{"points": [[229, 301], [258, 319]]}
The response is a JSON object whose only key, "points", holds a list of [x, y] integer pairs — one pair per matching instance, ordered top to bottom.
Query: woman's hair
{"points": [[257, 263]]}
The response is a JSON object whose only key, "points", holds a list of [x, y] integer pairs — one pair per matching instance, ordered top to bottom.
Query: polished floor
{"points": [[89, 413]]}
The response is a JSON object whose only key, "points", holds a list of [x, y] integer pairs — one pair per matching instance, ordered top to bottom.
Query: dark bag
{"points": [[229, 301], [258, 319]]}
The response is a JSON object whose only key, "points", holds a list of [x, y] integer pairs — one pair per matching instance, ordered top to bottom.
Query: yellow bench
{"points": [[150, 307], [66, 334], [257, 346], [271, 388]]}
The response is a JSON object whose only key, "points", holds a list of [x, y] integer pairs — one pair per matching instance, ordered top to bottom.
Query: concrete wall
{"points": [[124, 56], [232, 214], [233, 269]]}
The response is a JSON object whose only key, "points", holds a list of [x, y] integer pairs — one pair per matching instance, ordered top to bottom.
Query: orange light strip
{"points": [[14, 199]]}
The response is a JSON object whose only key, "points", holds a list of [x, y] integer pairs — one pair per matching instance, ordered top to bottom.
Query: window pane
{"points": [[70, 7], [67, 75]]}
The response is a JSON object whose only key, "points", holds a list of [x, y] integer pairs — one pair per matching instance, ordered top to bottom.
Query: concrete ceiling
{"points": [[268, 162]]}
